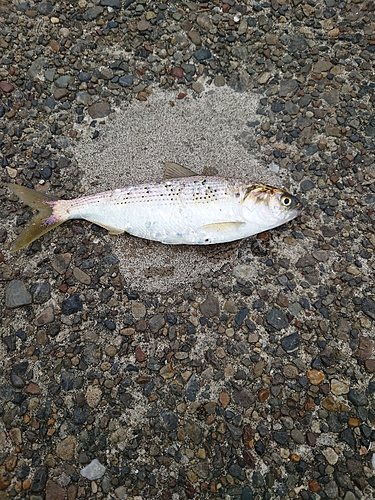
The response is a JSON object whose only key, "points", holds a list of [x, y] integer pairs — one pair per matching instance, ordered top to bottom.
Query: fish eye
{"points": [[286, 201]]}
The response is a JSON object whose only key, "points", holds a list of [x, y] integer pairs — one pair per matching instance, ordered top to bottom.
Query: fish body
{"points": [[189, 209]]}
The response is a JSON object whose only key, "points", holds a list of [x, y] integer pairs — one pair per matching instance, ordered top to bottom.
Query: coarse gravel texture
{"points": [[251, 378]]}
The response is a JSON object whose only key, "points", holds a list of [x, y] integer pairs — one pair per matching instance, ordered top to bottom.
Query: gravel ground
{"points": [[254, 379]]}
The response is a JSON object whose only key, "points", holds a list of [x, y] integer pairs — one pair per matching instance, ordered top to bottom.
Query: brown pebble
{"points": [[177, 72], [6, 87], [60, 93], [364, 350], [140, 355], [370, 365], [315, 377], [33, 388], [263, 395], [224, 399], [330, 404], [353, 422], [311, 438], [65, 448], [314, 485], [54, 491]]}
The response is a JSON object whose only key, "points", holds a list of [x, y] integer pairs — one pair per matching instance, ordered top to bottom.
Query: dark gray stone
{"points": [[116, 4], [92, 13], [202, 54], [126, 81], [287, 87], [307, 185], [41, 292], [72, 305], [210, 307], [368, 307], [277, 318], [156, 322], [291, 342], [192, 389], [243, 397], [357, 398], [281, 437], [39, 481]]}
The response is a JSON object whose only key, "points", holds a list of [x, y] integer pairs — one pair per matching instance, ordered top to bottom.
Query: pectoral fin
{"points": [[176, 171], [222, 226]]}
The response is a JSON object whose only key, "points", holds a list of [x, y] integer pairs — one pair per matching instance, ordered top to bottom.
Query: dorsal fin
{"points": [[175, 171]]}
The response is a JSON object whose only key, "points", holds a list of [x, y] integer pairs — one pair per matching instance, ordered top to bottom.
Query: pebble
{"points": [[100, 109], [16, 295], [71, 305], [210, 307], [277, 319], [291, 342], [315, 377], [65, 449], [94, 470]]}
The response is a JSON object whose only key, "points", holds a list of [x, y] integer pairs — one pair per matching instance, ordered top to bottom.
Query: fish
{"points": [[184, 208]]}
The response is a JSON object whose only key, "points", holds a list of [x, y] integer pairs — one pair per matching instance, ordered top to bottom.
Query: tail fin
{"points": [[38, 225]]}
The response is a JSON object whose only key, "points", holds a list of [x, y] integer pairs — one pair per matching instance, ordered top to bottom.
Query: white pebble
{"points": [[94, 470]]}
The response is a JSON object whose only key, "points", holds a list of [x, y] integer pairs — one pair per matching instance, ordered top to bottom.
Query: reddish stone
{"points": [[178, 72], [6, 87], [181, 95], [364, 348], [140, 355], [370, 365], [33, 389], [263, 395], [247, 434], [311, 438], [249, 459], [314, 485], [54, 491]]}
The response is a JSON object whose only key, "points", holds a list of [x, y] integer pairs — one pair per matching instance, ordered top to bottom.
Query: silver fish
{"points": [[185, 208]]}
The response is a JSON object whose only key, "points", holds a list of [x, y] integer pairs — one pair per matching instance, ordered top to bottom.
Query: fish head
{"points": [[271, 206]]}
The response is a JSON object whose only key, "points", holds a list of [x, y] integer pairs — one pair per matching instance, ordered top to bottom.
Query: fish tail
{"points": [[42, 222]]}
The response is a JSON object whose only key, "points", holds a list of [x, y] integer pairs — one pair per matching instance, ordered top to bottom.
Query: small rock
{"points": [[143, 25], [202, 54], [126, 81], [6, 87], [99, 109], [61, 262], [81, 276], [16, 295], [71, 305], [210, 307], [45, 317], [277, 319], [157, 322], [291, 342], [364, 348], [167, 371], [315, 377], [338, 387], [33, 388], [93, 395], [357, 398], [330, 404], [65, 448], [330, 455], [94, 470], [39, 481], [54, 491]]}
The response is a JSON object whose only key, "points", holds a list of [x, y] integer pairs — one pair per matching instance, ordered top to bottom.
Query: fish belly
{"points": [[199, 211]]}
